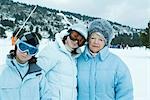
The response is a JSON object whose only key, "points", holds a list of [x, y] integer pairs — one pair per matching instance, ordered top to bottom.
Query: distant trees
{"points": [[5, 2], [20, 16], [47, 18], [7, 23], [31, 27], [2, 32], [37, 32], [51, 35], [145, 36], [125, 39], [135, 39], [122, 40]]}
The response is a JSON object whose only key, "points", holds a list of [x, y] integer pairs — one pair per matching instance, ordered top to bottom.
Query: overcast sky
{"points": [[134, 13]]}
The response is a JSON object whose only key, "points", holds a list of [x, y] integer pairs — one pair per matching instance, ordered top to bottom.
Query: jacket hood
{"points": [[79, 27]]}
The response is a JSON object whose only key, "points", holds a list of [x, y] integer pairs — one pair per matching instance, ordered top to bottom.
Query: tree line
{"points": [[132, 40]]}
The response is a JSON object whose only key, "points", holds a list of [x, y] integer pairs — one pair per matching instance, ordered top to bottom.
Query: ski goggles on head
{"points": [[74, 36], [25, 47]]}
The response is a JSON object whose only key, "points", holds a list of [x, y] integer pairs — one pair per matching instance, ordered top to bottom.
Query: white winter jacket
{"points": [[60, 68]]}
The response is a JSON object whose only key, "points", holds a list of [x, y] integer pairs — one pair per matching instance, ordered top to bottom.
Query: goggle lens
{"points": [[24, 47]]}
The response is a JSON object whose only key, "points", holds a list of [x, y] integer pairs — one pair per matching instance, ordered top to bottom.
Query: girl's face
{"points": [[75, 40], [96, 43], [71, 44], [25, 51], [22, 57]]}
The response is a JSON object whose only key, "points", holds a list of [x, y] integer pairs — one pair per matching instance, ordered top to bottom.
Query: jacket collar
{"points": [[101, 55], [32, 69]]}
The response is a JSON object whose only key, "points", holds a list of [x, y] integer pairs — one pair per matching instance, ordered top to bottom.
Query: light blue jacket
{"points": [[60, 68], [104, 77], [33, 86]]}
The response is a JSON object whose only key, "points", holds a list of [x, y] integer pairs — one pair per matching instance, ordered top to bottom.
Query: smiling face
{"points": [[75, 36], [75, 40], [96, 42], [22, 57]]}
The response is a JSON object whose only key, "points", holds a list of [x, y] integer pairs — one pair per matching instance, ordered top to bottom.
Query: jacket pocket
{"points": [[9, 91]]}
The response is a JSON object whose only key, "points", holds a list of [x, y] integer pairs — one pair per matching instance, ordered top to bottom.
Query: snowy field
{"points": [[137, 59]]}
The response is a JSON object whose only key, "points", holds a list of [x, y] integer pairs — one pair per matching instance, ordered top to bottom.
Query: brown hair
{"points": [[12, 54]]}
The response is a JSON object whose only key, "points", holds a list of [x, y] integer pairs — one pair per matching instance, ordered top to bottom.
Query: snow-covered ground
{"points": [[137, 59]]}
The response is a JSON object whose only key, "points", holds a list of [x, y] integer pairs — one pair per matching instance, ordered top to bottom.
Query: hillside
{"points": [[47, 21]]}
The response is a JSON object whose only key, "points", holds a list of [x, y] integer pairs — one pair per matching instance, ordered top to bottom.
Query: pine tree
{"points": [[149, 34], [145, 37]]}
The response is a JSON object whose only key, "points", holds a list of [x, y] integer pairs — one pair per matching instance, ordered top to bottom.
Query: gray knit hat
{"points": [[103, 27]]}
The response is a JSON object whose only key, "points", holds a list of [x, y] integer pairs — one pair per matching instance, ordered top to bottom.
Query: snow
{"points": [[65, 18], [5, 47], [137, 59]]}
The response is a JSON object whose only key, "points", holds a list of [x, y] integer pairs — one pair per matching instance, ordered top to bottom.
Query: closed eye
{"points": [[92, 38], [101, 39]]}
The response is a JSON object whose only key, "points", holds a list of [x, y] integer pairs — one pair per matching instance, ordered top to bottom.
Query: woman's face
{"points": [[75, 40], [96, 43], [25, 51], [22, 57]]}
